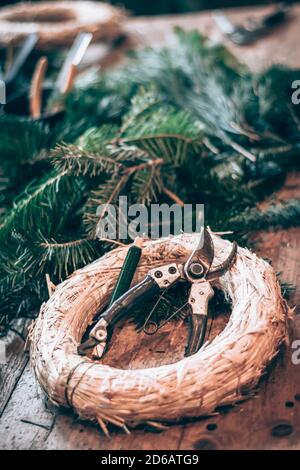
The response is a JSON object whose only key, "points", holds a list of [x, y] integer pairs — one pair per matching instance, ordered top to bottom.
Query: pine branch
{"points": [[208, 82], [141, 103], [165, 133], [33, 138], [96, 139], [171, 147], [126, 153], [71, 159], [147, 185], [108, 193], [42, 205], [284, 214], [61, 258], [23, 300]]}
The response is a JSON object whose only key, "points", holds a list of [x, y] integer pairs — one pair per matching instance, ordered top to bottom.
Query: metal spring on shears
{"points": [[150, 327]]}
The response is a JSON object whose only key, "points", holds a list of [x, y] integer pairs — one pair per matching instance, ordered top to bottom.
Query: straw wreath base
{"points": [[57, 23], [223, 371]]}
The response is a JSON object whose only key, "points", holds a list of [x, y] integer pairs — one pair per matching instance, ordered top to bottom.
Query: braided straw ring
{"points": [[57, 23], [223, 371]]}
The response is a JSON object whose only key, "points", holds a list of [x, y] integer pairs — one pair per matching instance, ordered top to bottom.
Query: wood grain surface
{"points": [[268, 420]]}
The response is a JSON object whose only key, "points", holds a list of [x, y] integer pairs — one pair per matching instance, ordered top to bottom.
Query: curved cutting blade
{"points": [[221, 269]]}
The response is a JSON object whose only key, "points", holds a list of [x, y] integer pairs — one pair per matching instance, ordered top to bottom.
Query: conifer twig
{"points": [[142, 166], [173, 196]]}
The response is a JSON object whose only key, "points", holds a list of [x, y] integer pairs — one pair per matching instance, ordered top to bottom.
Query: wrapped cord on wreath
{"points": [[220, 373]]}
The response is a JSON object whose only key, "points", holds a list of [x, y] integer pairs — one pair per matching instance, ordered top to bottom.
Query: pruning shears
{"points": [[197, 270]]}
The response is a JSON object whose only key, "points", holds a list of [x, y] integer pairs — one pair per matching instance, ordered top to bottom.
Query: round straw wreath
{"points": [[57, 23], [223, 371]]}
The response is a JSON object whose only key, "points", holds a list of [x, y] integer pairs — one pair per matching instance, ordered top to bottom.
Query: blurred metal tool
{"points": [[253, 29], [21, 57], [73, 59], [63, 83], [14, 90], [39, 100]]}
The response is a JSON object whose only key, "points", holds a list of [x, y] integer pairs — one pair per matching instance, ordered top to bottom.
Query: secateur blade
{"points": [[200, 261], [221, 268]]}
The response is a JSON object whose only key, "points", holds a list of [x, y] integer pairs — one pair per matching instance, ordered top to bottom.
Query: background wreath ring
{"points": [[101, 19]]}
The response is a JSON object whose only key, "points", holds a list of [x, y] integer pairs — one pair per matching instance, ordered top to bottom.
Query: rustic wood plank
{"points": [[280, 47], [16, 361], [26, 422], [84, 436]]}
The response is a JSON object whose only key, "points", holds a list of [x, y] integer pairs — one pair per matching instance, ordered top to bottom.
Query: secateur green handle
{"points": [[128, 270], [149, 287], [142, 291]]}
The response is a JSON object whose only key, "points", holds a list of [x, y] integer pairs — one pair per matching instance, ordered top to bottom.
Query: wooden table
{"points": [[271, 419]]}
